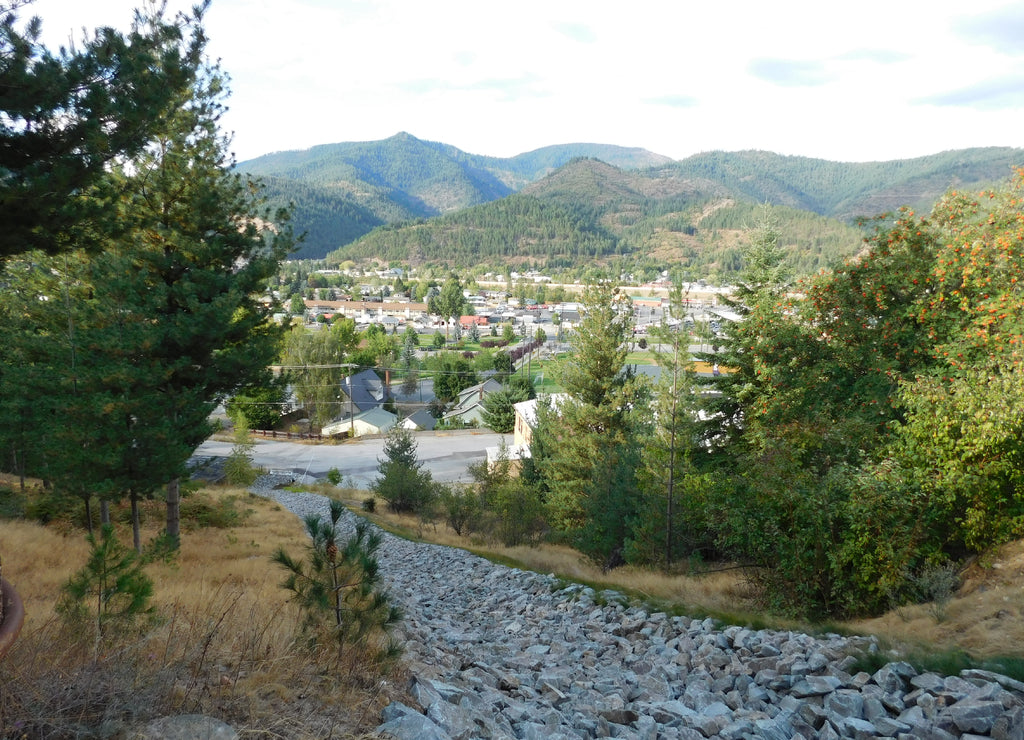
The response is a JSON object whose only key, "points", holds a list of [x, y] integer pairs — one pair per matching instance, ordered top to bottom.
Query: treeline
{"points": [[403, 178], [591, 210], [517, 226]]}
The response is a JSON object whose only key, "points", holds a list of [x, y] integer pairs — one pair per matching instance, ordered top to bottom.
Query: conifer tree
{"points": [[66, 115], [150, 334]]}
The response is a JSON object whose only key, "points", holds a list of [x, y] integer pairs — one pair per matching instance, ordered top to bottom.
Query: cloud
{"points": [[1001, 29], [576, 31], [878, 56], [789, 72], [509, 88], [998, 93], [674, 101]]}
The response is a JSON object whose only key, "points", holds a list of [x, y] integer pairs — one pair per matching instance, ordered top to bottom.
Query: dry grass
{"points": [[720, 590], [984, 617], [223, 643]]}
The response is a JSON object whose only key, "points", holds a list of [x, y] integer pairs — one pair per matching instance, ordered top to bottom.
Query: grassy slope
{"points": [[223, 645]]}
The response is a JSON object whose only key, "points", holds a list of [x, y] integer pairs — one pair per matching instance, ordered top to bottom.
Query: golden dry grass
{"points": [[985, 617], [223, 643]]}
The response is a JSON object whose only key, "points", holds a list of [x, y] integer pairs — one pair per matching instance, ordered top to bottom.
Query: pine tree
{"points": [[67, 115], [162, 325], [402, 482], [338, 585]]}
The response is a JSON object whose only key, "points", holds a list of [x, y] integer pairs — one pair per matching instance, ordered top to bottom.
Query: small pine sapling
{"points": [[336, 586]]}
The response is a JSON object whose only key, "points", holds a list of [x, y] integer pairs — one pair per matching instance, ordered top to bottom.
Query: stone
{"points": [[499, 653], [975, 674], [815, 686], [845, 703], [970, 715], [187, 727], [412, 727]]}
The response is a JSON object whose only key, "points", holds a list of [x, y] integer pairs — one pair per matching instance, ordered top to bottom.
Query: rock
{"points": [[497, 652], [816, 686], [845, 703], [970, 715], [187, 727], [413, 727]]}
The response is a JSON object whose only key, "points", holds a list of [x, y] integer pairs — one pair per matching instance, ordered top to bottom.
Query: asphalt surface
{"points": [[446, 455]]}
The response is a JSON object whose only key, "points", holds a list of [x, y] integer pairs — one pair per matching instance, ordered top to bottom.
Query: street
{"points": [[445, 454]]}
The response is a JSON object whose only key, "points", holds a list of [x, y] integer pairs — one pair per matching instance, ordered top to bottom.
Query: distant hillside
{"points": [[402, 178], [846, 190], [643, 202], [589, 212]]}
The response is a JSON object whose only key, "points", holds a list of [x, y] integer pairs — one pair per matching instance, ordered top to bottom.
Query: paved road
{"points": [[445, 454]]}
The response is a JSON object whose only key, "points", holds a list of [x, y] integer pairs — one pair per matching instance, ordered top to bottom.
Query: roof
{"points": [[368, 390], [528, 409], [377, 417], [422, 419]]}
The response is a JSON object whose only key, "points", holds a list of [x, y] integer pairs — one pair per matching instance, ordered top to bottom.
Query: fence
{"points": [[273, 434]]}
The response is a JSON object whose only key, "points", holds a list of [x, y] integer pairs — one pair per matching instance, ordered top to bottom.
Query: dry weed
{"points": [[224, 644]]}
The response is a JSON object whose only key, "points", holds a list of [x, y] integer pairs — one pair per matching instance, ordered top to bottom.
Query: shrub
{"points": [[403, 484], [111, 582], [336, 587]]}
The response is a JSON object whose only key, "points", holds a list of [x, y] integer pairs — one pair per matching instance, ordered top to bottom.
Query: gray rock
{"points": [[498, 652], [974, 674], [816, 686], [845, 703], [970, 715], [186, 727], [413, 727], [857, 728]]}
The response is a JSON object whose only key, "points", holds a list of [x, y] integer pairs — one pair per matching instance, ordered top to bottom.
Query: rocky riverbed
{"points": [[497, 652]]}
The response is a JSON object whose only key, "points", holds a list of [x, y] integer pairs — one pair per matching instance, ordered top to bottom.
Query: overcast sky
{"points": [[849, 81]]}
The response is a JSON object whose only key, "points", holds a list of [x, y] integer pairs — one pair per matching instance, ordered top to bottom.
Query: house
{"points": [[469, 321], [364, 391], [469, 407], [526, 418], [374, 421], [421, 421], [514, 455]]}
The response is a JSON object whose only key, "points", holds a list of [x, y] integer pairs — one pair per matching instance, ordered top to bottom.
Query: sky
{"points": [[850, 81]]}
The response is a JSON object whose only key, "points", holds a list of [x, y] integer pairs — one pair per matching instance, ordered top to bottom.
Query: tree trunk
{"points": [[104, 511], [174, 512], [88, 513], [136, 523]]}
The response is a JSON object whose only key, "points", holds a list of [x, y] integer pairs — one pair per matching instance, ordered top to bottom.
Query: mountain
{"points": [[402, 177], [846, 190], [623, 200], [588, 212]]}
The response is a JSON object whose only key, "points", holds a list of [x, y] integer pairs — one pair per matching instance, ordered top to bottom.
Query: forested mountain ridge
{"points": [[402, 178], [847, 190], [341, 192], [589, 212]]}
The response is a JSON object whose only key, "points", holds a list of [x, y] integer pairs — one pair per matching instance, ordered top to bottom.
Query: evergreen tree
{"points": [[67, 116], [152, 333], [590, 475], [402, 482], [338, 585]]}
